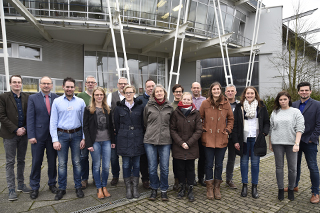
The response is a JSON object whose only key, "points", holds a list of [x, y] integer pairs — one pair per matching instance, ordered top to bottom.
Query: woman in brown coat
{"points": [[217, 119], [185, 129]]}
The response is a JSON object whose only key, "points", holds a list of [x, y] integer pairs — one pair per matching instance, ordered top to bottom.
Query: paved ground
{"points": [[230, 202]]}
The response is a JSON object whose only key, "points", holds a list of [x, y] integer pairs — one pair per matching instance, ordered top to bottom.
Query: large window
{"points": [[25, 51]]}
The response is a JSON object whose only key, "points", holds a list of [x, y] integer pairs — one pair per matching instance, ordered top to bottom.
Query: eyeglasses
{"points": [[91, 82], [46, 84], [123, 84], [178, 92], [129, 93]]}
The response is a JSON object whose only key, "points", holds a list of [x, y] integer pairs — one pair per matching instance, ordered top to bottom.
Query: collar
{"points": [[145, 93], [15, 95], [45, 95], [65, 97], [305, 101]]}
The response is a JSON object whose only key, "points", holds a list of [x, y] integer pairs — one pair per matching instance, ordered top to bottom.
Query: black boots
{"points": [[135, 181], [127, 182], [182, 191], [244, 191], [255, 191], [190, 194], [281, 194], [290, 194], [153, 195]]}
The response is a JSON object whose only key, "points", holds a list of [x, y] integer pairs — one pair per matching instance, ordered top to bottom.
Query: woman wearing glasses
{"points": [[128, 122], [98, 131]]}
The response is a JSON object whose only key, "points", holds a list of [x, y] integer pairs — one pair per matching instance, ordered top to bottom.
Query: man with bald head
{"points": [[197, 101]]}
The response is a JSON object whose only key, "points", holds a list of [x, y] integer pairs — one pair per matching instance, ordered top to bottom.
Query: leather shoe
{"points": [[114, 181], [202, 182], [84, 184], [146, 184], [231, 184], [53, 189], [295, 189], [79, 193], [34, 194], [60, 194], [153, 195], [164, 196], [314, 198]]}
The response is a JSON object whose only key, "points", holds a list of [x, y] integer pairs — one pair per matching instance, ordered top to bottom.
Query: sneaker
{"points": [[23, 188], [12, 195]]}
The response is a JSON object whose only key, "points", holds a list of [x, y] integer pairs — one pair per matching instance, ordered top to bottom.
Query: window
{"points": [[8, 48], [29, 52]]}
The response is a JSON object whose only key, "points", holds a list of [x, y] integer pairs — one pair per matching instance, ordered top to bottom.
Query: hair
{"points": [[18, 76], [90, 76], [45, 77], [122, 78], [68, 79], [149, 80], [303, 84], [231, 85], [129, 86], [176, 87], [154, 91], [185, 94], [243, 95], [210, 96], [276, 101], [92, 106]]}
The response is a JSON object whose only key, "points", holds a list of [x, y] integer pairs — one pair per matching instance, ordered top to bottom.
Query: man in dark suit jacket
{"points": [[13, 108], [310, 110], [38, 113]]}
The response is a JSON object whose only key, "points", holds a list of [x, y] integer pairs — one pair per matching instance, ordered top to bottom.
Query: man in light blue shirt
{"points": [[66, 131]]}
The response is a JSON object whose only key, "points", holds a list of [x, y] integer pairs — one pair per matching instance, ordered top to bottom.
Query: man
{"points": [[91, 84], [177, 91], [231, 92], [112, 100], [197, 101], [13, 109], [310, 110], [38, 113], [66, 131], [143, 158]]}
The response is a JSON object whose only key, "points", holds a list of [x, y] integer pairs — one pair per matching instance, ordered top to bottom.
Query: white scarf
{"points": [[250, 108]]}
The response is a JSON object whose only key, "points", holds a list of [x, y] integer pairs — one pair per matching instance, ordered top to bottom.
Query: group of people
{"points": [[144, 130]]}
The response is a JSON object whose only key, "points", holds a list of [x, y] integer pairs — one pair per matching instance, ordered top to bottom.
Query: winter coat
{"points": [[157, 121], [216, 122], [129, 128], [185, 130], [237, 134]]}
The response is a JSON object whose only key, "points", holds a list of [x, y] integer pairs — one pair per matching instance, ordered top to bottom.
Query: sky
{"points": [[289, 7]]}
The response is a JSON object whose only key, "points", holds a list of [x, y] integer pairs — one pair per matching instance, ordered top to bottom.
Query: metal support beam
{"points": [[240, 2], [30, 18], [107, 40], [5, 50]]}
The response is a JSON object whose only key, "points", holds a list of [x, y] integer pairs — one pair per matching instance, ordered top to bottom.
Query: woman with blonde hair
{"points": [[98, 131]]}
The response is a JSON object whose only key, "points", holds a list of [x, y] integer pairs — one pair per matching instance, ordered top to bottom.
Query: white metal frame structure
{"points": [[5, 49]]}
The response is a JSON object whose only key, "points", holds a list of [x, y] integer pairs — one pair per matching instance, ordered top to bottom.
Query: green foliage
{"points": [[269, 102]]}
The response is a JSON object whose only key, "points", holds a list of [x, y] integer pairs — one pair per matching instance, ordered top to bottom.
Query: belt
{"points": [[130, 127], [70, 130]]}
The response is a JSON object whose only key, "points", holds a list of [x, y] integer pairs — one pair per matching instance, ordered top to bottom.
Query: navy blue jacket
{"points": [[144, 98], [311, 114], [129, 128]]}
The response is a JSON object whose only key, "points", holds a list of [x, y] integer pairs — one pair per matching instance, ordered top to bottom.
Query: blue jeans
{"points": [[71, 140], [102, 151], [310, 152], [164, 154], [216, 155], [84, 161], [244, 161], [130, 166], [115, 167]]}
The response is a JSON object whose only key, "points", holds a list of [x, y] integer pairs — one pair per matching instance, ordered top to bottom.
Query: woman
{"points": [[217, 118], [251, 119], [128, 122], [286, 128], [186, 129], [98, 131], [157, 140]]}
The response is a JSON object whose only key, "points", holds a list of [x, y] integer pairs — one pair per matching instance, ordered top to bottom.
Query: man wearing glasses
{"points": [[91, 84], [112, 100], [38, 113]]}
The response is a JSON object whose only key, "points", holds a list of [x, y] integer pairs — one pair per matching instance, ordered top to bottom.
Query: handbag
{"points": [[260, 146]]}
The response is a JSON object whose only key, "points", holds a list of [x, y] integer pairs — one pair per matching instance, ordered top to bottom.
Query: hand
{"points": [[21, 131], [225, 132], [33, 140], [82, 144], [57, 145], [113, 146], [185, 146], [237, 146], [270, 147], [295, 148], [91, 149]]}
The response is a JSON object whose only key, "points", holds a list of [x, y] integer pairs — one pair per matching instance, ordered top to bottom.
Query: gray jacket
{"points": [[157, 121]]}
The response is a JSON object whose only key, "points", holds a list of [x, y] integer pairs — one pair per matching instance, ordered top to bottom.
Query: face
{"points": [[16, 84], [91, 84], [121, 84], [46, 85], [149, 87], [69, 89], [196, 89], [216, 91], [231, 92], [304, 92], [159, 93], [129, 94], [177, 94], [250, 95], [98, 96], [186, 100], [283, 101]]}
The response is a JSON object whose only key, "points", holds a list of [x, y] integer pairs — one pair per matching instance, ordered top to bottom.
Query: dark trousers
{"points": [[37, 151], [231, 160], [201, 161], [144, 168], [185, 170]]}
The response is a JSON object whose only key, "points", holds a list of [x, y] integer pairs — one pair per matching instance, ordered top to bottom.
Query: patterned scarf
{"points": [[250, 108]]}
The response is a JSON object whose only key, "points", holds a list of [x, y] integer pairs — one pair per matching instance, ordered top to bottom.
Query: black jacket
{"points": [[264, 125], [90, 126], [129, 128]]}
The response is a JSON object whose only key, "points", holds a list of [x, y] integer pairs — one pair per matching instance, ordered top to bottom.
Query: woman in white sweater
{"points": [[286, 128]]}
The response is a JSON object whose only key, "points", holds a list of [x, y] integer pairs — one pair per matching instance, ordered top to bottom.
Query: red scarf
{"points": [[160, 103], [180, 105]]}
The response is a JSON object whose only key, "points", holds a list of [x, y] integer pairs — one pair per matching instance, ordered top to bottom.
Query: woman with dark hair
{"points": [[217, 119], [251, 119], [286, 128], [98, 131]]}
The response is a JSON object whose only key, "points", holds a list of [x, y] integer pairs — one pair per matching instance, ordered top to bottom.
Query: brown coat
{"points": [[216, 122], [185, 130]]}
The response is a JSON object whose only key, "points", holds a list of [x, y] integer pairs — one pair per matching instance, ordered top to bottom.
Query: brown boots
{"points": [[209, 184], [213, 191], [102, 193], [217, 194]]}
